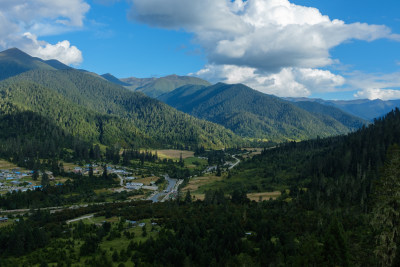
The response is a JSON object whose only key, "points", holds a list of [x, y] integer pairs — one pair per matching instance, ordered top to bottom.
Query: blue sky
{"points": [[314, 48]]}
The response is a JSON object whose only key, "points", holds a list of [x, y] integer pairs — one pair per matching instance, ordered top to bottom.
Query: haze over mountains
{"points": [[155, 87], [363, 108], [103, 109], [252, 114]]}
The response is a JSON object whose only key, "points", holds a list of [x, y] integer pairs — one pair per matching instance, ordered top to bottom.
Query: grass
{"points": [[252, 152], [173, 153], [194, 162], [5, 165], [69, 166], [146, 180], [196, 184], [102, 191], [263, 195], [252, 196], [5, 224]]}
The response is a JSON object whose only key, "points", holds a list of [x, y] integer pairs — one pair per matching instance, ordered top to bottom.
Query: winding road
{"points": [[234, 164]]}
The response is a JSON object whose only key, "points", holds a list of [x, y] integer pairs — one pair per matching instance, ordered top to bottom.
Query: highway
{"points": [[172, 184]]}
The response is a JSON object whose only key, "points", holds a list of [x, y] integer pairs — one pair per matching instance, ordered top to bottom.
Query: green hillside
{"points": [[14, 61], [111, 78], [155, 87], [362, 108], [250, 113], [72, 118], [130, 118], [348, 120]]}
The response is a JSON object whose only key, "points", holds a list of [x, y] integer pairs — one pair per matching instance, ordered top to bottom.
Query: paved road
{"points": [[236, 163], [121, 180], [173, 192], [156, 196], [81, 218]]}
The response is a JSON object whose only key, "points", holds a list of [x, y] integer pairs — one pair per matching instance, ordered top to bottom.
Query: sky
{"points": [[298, 48]]}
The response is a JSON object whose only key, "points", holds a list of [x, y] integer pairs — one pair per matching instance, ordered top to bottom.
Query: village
{"points": [[18, 179]]}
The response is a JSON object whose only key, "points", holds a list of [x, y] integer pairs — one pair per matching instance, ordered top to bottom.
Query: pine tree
{"points": [[181, 162], [218, 170], [90, 171], [35, 175], [105, 175], [45, 179], [188, 197], [386, 216]]}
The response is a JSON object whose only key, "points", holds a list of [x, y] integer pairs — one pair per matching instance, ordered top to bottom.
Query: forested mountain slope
{"points": [[14, 61], [111, 78], [155, 87], [362, 108], [93, 109], [136, 113], [250, 113], [348, 120], [337, 171], [339, 196]]}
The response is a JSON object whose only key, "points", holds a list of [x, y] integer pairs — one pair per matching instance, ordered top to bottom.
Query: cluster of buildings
{"points": [[98, 170], [15, 180], [135, 186]]}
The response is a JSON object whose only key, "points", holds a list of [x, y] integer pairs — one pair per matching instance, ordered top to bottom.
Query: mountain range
{"points": [[155, 87], [363, 108], [93, 109], [107, 110], [250, 113]]}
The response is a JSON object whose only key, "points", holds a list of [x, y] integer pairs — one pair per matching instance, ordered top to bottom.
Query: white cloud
{"points": [[65, 12], [22, 22], [265, 34], [271, 45], [63, 51], [288, 82], [375, 86], [383, 94]]}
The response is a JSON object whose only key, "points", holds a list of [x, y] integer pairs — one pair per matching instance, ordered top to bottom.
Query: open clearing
{"points": [[253, 151], [173, 153], [5, 165], [145, 181], [196, 182], [263, 195], [252, 196]]}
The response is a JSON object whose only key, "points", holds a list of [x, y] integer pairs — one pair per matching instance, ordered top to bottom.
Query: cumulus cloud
{"points": [[66, 12], [21, 22], [264, 34], [274, 45], [63, 51], [288, 82], [375, 86], [383, 94]]}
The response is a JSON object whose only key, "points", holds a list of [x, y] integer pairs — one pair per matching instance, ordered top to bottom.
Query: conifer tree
{"points": [[386, 216]]}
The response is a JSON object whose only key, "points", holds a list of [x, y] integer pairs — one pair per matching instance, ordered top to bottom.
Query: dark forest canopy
{"points": [[96, 111], [330, 215]]}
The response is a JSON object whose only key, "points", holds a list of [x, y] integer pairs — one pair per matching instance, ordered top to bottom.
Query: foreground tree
{"points": [[386, 214]]}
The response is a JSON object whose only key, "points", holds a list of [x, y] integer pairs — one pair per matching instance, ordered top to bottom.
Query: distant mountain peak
{"points": [[14, 52], [13, 61], [111, 78], [155, 87]]}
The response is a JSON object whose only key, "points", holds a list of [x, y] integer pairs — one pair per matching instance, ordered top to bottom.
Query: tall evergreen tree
{"points": [[386, 215]]}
